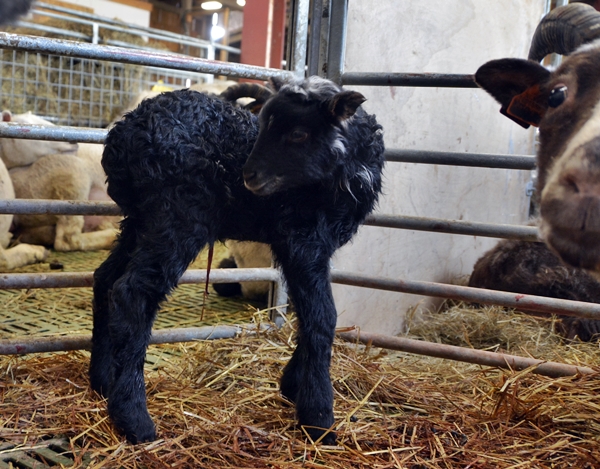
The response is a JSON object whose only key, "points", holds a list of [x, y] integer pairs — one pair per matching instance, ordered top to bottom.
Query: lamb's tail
{"points": [[116, 167]]}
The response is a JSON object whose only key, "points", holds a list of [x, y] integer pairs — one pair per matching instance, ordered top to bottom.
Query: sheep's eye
{"points": [[557, 96], [298, 136]]}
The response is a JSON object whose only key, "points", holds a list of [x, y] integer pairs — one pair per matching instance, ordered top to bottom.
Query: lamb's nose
{"points": [[249, 176]]}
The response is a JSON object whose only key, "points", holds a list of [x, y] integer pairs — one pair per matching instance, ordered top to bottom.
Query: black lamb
{"points": [[187, 170]]}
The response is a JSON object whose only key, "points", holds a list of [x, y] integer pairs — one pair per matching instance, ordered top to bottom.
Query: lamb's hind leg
{"points": [[159, 260], [104, 278], [306, 379]]}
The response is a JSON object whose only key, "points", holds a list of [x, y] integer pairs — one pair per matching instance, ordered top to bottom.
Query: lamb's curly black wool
{"points": [[187, 170]]}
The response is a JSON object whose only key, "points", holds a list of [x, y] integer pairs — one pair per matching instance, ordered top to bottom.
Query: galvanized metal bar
{"points": [[314, 38], [337, 40], [136, 57], [298, 64], [429, 80], [52, 132], [93, 135], [480, 160], [57, 207], [439, 225], [85, 279], [477, 295], [22, 346], [462, 354]]}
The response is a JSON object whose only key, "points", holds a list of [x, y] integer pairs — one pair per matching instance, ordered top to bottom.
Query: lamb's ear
{"points": [[276, 83], [515, 83], [344, 104], [6, 116]]}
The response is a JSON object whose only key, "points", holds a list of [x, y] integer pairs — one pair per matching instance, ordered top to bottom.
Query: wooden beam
{"points": [[263, 33]]}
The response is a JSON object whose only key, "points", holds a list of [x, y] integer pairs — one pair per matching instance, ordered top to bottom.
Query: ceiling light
{"points": [[241, 3], [211, 5]]}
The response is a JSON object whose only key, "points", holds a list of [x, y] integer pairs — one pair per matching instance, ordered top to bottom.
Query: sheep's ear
{"points": [[515, 83], [343, 105], [6, 116]]}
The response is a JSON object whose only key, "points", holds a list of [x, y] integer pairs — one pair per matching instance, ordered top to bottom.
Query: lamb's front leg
{"points": [[306, 380]]}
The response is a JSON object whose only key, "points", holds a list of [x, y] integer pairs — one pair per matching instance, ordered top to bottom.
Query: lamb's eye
{"points": [[557, 96], [298, 136]]}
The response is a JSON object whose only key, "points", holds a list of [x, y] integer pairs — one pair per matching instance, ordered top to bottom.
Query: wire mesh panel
{"points": [[78, 92]]}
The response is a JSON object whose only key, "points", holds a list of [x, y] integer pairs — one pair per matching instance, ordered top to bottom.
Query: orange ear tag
{"points": [[527, 108]]}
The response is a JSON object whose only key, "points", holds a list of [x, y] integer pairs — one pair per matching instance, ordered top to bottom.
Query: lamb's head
{"points": [[565, 104], [301, 139]]}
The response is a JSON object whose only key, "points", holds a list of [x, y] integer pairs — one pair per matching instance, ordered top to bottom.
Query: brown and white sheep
{"points": [[565, 104]]}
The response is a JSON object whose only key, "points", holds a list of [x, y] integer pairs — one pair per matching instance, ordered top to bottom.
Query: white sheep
{"points": [[63, 171], [21, 254]]}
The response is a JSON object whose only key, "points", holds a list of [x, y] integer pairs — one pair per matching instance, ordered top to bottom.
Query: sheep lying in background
{"points": [[565, 104], [21, 152], [187, 170], [60, 171], [21, 254], [245, 254], [532, 269]]}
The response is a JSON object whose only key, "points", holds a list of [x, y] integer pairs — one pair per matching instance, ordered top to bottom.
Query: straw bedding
{"points": [[217, 405]]}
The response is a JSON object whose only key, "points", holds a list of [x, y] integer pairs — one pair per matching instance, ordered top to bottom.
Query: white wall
{"points": [[114, 10], [454, 36]]}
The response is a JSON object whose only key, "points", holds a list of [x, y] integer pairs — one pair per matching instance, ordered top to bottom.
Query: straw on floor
{"points": [[217, 405]]}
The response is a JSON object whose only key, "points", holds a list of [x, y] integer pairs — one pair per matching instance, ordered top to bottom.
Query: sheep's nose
{"points": [[581, 182]]}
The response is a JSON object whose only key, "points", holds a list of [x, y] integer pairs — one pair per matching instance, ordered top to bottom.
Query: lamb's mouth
{"points": [[263, 188]]}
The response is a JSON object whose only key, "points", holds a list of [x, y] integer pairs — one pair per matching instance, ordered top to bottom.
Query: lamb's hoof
{"points": [[41, 253], [136, 430], [141, 435], [326, 437]]}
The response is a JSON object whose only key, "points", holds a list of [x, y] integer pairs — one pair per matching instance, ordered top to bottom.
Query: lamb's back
{"points": [[179, 139]]}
